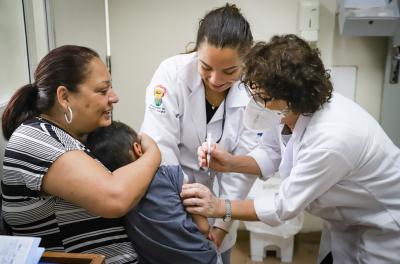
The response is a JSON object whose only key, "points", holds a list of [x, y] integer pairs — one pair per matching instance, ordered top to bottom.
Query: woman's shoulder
{"points": [[180, 59], [179, 63], [33, 130], [42, 133], [34, 145]]}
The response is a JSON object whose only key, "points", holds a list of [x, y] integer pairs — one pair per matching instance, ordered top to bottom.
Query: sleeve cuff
{"points": [[264, 162], [266, 210], [223, 225]]}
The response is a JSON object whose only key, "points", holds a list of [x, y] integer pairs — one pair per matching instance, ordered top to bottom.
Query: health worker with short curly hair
{"points": [[334, 159]]}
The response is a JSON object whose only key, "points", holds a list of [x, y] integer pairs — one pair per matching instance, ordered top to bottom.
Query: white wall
{"points": [[80, 23], [144, 32], [366, 53], [14, 71], [390, 118]]}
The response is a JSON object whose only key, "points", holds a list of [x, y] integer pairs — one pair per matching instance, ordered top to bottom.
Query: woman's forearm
{"points": [[244, 164], [136, 176], [83, 181], [198, 199], [241, 210], [244, 210]]}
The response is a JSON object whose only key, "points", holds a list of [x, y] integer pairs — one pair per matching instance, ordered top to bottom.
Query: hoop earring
{"points": [[69, 120]]}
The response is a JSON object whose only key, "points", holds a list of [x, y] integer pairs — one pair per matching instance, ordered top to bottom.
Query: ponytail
{"points": [[225, 27], [20, 108]]}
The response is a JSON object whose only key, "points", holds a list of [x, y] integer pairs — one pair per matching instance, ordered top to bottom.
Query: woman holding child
{"points": [[52, 187]]}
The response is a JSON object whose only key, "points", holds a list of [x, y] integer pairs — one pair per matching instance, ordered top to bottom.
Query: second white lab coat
{"points": [[176, 120], [341, 166]]}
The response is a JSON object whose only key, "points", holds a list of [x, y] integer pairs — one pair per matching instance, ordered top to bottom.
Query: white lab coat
{"points": [[179, 127], [341, 166]]}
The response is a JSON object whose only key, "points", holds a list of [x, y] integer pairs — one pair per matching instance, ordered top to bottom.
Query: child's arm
{"points": [[202, 223]]}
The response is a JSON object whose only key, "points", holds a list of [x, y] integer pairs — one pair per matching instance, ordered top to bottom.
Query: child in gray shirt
{"points": [[160, 228]]}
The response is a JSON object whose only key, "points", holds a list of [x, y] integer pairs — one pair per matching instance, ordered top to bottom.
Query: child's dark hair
{"points": [[111, 145]]}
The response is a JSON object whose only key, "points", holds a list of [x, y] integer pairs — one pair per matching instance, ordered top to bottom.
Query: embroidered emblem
{"points": [[159, 93]]}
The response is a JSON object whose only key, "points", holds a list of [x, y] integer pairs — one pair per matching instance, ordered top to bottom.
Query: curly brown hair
{"points": [[287, 68]]}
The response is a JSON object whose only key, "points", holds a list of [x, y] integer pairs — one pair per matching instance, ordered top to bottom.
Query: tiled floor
{"points": [[305, 249]]}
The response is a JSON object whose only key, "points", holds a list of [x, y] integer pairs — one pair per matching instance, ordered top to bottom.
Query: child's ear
{"points": [[137, 149]]}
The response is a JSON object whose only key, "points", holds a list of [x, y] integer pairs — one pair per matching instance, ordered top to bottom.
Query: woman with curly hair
{"points": [[335, 160]]}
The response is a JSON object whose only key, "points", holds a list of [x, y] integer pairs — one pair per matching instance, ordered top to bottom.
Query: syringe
{"points": [[208, 139]]}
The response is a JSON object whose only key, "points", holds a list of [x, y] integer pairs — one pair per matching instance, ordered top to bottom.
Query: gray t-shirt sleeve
{"points": [[159, 223]]}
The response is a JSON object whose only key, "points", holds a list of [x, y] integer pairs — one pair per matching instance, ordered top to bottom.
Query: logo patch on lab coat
{"points": [[159, 93]]}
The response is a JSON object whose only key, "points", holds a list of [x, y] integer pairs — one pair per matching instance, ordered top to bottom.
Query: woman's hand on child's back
{"points": [[146, 142]]}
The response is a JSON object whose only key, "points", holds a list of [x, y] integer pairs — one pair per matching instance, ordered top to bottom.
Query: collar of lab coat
{"points": [[236, 97], [300, 126], [298, 132], [289, 150]]}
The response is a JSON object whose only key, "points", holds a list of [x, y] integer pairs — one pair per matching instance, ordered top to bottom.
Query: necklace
{"points": [[214, 105]]}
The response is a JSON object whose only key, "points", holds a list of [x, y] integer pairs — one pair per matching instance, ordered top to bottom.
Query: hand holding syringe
{"points": [[222, 161]]}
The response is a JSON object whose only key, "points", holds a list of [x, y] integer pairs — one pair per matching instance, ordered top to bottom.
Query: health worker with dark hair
{"points": [[199, 94]]}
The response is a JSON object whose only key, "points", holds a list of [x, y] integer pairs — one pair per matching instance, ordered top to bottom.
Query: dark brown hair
{"points": [[225, 27], [63, 66], [287, 68], [111, 144]]}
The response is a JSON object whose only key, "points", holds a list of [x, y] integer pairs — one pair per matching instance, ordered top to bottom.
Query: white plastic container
{"points": [[264, 237]]}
